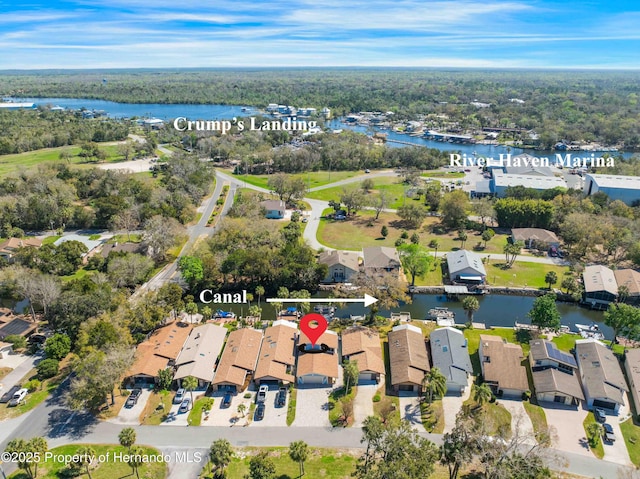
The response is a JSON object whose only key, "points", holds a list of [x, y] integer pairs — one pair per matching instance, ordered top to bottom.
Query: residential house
{"points": [[616, 187], [274, 209], [535, 236], [92, 245], [9, 247], [125, 247], [380, 259], [343, 265], [466, 267], [630, 279], [600, 286], [18, 327], [363, 346], [5, 349], [159, 351], [200, 353], [449, 353], [408, 358], [238, 360], [276, 362], [318, 364], [501, 364], [632, 368], [555, 374], [602, 379]]}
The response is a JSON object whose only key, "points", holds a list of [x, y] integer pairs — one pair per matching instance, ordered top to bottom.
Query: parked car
{"points": [[367, 170], [553, 252], [262, 394], [6, 397], [18, 397], [177, 399], [226, 399], [281, 399], [132, 400], [185, 405], [259, 414], [600, 415], [608, 433]]}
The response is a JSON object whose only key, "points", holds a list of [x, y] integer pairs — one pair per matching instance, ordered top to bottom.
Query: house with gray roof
{"points": [[380, 259], [342, 265], [466, 267], [600, 286], [450, 354], [199, 355], [632, 368], [555, 374], [602, 379]]}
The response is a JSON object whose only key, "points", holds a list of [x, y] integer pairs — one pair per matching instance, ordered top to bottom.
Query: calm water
{"points": [[226, 112], [495, 310]]}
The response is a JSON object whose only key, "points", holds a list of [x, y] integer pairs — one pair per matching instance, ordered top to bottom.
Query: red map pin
{"points": [[313, 333]]}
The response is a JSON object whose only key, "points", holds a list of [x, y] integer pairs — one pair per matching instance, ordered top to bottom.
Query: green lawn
{"points": [[30, 159], [450, 175], [312, 179], [392, 186], [51, 239], [522, 274], [433, 277], [511, 335], [566, 342], [335, 406], [291, 407], [157, 408], [195, 415], [432, 416], [494, 416], [538, 418], [631, 434], [598, 450], [110, 468]]}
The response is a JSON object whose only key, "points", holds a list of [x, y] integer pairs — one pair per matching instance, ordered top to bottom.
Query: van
{"points": [[18, 397]]}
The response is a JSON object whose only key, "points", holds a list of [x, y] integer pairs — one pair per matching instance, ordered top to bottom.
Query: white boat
{"points": [[441, 313], [592, 328], [592, 334]]}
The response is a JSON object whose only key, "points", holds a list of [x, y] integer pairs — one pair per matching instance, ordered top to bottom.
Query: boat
{"points": [[290, 311], [327, 311], [441, 313], [219, 314], [444, 322], [592, 328], [592, 335]]}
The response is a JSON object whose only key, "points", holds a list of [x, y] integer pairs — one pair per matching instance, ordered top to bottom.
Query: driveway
{"points": [[13, 360], [22, 364], [363, 403], [451, 405], [312, 406], [410, 409], [131, 416], [228, 416], [273, 416], [520, 420], [567, 431], [616, 452]]}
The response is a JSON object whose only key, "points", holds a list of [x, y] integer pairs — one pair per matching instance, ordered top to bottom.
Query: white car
{"points": [[18, 397]]}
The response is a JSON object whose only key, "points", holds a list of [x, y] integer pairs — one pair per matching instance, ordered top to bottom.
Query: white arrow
{"points": [[368, 300]]}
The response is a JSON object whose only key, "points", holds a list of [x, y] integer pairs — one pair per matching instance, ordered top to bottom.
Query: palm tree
{"points": [[462, 236], [434, 243], [259, 293], [470, 305], [191, 308], [207, 313], [190, 383], [434, 383], [482, 394], [242, 408], [594, 431], [127, 437], [299, 452], [220, 454], [86, 455], [135, 459]]}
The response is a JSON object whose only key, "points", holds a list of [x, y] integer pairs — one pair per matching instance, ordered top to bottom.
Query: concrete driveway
{"points": [[21, 365], [363, 403], [451, 405], [312, 406], [410, 409], [131, 416], [229, 416], [273, 416], [174, 418], [520, 420], [567, 431], [616, 452]]}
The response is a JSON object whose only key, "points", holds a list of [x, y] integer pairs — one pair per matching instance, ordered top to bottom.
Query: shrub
{"points": [[404, 234], [399, 242], [18, 341], [48, 368], [33, 385], [247, 395], [376, 398]]}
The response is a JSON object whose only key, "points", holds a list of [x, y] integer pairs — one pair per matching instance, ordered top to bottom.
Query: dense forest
{"points": [[570, 105]]}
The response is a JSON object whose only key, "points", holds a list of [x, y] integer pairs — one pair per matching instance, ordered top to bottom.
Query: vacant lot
{"points": [[312, 179]]}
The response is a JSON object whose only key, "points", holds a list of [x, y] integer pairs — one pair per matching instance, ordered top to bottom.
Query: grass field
{"points": [[31, 159], [449, 175], [312, 179], [395, 191], [522, 274], [566, 342], [335, 406], [157, 408], [195, 415], [432, 416], [538, 418], [631, 434], [598, 450], [109, 469]]}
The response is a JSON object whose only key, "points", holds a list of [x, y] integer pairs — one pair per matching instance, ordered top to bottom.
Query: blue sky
{"points": [[221, 33]]}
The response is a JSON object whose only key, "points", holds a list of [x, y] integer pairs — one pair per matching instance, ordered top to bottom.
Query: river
{"points": [[227, 112], [495, 310]]}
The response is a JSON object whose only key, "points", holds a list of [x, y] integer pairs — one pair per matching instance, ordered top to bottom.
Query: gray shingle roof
{"points": [[450, 354], [601, 374]]}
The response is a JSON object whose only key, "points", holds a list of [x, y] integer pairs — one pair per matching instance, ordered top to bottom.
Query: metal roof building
{"points": [[616, 187]]}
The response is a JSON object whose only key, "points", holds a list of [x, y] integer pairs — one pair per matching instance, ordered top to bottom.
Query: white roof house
{"points": [[465, 265]]}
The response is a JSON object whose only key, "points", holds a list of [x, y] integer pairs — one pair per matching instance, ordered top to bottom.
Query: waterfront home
{"points": [[616, 187], [274, 209], [535, 236], [9, 247], [380, 259], [342, 265], [465, 267], [630, 279], [600, 286], [362, 345], [159, 351], [200, 353], [450, 354], [408, 358], [238, 360], [276, 362], [318, 363], [501, 364], [632, 368], [555, 374], [602, 379]]}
